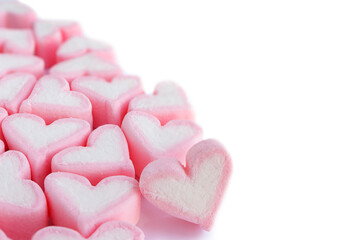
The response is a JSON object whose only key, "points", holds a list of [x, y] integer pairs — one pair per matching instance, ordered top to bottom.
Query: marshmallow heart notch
{"points": [[105, 155], [194, 192], [22, 202], [75, 203], [116, 230]]}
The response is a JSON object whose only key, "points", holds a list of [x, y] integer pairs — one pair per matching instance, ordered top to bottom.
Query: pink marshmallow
{"points": [[14, 14], [50, 34], [18, 41], [79, 46], [10, 63], [88, 64], [14, 88], [52, 99], [110, 99], [168, 102], [3, 115], [29, 134], [148, 140], [2, 146], [105, 155], [192, 193], [22, 202], [76, 204], [115, 230], [3, 236]]}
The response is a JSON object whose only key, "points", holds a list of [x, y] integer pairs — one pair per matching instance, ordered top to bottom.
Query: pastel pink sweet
{"points": [[14, 14], [50, 34], [18, 41], [78, 46], [10, 63], [87, 65], [14, 88], [52, 99], [110, 99], [168, 102], [3, 115], [29, 134], [148, 140], [2, 146], [105, 155], [192, 193], [22, 202], [76, 204], [114, 230], [3, 236]]}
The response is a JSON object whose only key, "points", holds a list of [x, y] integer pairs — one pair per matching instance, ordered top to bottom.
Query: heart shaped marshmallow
{"points": [[14, 14], [50, 34], [18, 41], [78, 46], [10, 63], [88, 64], [14, 88], [52, 99], [110, 99], [168, 102], [29, 134], [148, 140], [105, 155], [192, 193], [22, 202], [76, 204], [114, 230]]}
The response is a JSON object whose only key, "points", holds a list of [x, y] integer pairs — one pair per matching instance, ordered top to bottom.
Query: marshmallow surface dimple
{"points": [[14, 14], [17, 41], [10, 63], [52, 99], [110, 99], [167, 103], [148, 140], [105, 155], [192, 193], [22, 202], [75, 203]]}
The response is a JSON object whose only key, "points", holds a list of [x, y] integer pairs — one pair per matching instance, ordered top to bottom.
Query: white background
{"points": [[277, 82]]}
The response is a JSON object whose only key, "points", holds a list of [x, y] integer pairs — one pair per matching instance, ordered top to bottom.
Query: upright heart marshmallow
{"points": [[14, 14], [50, 34], [18, 41], [79, 46], [10, 63], [88, 64], [14, 88], [52, 99], [109, 99], [167, 103], [3, 115], [29, 134], [148, 140], [105, 155], [192, 193], [22, 202], [75, 203], [114, 230], [3, 236]]}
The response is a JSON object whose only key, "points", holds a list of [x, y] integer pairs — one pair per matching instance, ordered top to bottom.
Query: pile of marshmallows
{"points": [[77, 132]]}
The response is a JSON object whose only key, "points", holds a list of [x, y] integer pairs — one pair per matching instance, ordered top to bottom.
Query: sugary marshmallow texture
{"points": [[14, 14], [50, 34], [17, 41], [79, 46], [10, 63], [88, 64], [14, 88], [109, 98], [52, 99], [168, 102], [29, 134], [148, 140], [105, 155], [194, 192], [22, 202], [75, 203], [114, 230]]}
